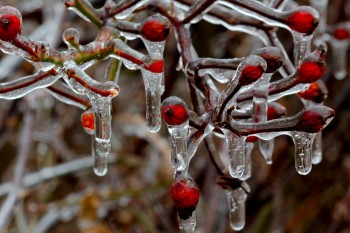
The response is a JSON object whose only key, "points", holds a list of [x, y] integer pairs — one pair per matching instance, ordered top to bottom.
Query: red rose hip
{"points": [[304, 20], [10, 23], [155, 29], [174, 111], [88, 121], [185, 195]]}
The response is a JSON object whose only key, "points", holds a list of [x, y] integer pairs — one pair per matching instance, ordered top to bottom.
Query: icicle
{"points": [[302, 44], [340, 56], [153, 91], [102, 110], [260, 113], [175, 114], [317, 149], [303, 151], [99, 162], [240, 162], [236, 204], [188, 225]]}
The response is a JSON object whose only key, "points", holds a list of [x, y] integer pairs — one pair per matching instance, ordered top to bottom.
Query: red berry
{"points": [[302, 22], [10, 27], [155, 30], [341, 34], [273, 56], [156, 67], [310, 72], [250, 74], [316, 92], [174, 114], [313, 120], [88, 121], [252, 139], [185, 195]]}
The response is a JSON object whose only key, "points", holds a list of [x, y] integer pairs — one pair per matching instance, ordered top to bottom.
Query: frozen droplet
{"points": [[71, 38], [153, 91], [317, 149], [303, 151], [100, 162], [240, 162], [236, 204], [188, 225]]}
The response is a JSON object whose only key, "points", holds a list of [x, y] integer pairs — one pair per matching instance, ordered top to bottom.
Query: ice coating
{"points": [[248, 72], [220, 75], [18, 88], [303, 151], [240, 161], [236, 204]]}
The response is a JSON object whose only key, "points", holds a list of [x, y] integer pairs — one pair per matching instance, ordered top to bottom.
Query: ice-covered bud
{"points": [[303, 20], [10, 23], [155, 29], [341, 34], [273, 56], [313, 67], [252, 68], [317, 92], [174, 111], [314, 119], [88, 121], [185, 195]]}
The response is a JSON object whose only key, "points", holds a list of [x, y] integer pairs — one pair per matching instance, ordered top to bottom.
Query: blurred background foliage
{"points": [[133, 196]]}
